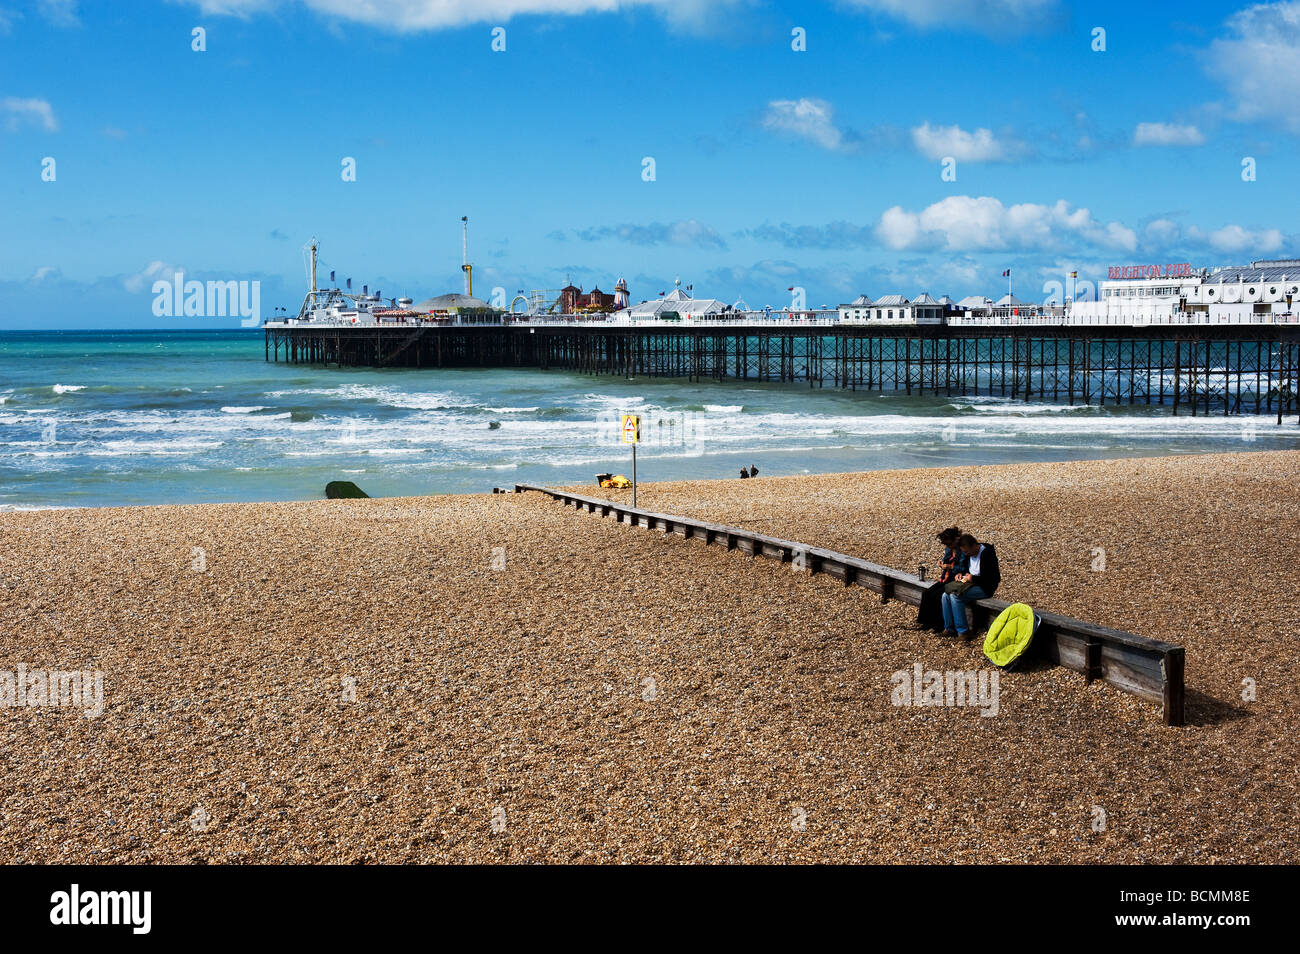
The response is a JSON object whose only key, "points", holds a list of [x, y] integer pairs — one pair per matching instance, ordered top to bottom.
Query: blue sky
{"points": [[818, 168]]}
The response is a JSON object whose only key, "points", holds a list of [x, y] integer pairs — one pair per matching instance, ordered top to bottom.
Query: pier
{"points": [[1193, 368]]}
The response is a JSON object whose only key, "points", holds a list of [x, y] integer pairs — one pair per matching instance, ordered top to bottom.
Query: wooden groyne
{"points": [[1193, 369], [1147, 668]]}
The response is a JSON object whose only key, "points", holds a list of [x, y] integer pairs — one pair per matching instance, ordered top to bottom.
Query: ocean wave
{"points": [[66, 388], [379, 394], [1004, 406], [244, 410], [182, 445], [44, 453]]}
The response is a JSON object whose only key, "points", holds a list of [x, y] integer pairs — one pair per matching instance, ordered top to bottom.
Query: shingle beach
{"points": [[498, 678]]}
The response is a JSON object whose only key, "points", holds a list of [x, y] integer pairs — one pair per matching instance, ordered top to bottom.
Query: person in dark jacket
{"points": [[982, 574], [930, 614]]}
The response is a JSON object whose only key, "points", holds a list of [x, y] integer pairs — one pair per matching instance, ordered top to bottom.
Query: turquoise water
{"points": [[108, 418]]}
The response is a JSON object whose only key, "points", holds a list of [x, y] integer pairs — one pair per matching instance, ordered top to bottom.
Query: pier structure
{"points": [[1189, 368]]}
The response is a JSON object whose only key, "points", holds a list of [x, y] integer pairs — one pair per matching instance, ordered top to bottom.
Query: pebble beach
{"points": [[498, 678]]}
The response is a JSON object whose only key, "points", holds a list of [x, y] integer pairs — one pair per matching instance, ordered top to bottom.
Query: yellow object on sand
{"points": [[617, 481], [1010, 634]]}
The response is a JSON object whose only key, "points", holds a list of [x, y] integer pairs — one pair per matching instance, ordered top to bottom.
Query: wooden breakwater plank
{"points": [[1147, 668]]}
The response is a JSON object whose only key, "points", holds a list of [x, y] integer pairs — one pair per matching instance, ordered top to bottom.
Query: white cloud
{"points": [[62, 13], [414, 15], [989, 16], [1259, 63], [22, 111], [811, 119], [1167, 134], [940, 142], [966, 223], [1164, 234], [1234, 238], [151, 273]]}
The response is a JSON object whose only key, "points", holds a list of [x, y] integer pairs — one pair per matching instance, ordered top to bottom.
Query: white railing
{"points": [[761, 320], [703, 321], [1115, 321]]}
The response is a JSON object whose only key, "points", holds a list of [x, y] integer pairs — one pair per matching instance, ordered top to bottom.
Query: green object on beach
{"points": [[344, 490], [1010, 634]]}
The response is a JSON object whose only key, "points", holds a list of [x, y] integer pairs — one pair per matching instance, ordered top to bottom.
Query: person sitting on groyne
{"points": [[953, 561], [979, 580]]}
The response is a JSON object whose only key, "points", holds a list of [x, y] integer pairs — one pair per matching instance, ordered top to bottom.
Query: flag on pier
{"points": [[1007, 273]]}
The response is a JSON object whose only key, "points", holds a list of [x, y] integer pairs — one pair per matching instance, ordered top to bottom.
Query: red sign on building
{"points": [[1181, 270]]}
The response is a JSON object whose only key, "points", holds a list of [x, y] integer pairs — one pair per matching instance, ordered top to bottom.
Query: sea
{"points": [[111, 418]]}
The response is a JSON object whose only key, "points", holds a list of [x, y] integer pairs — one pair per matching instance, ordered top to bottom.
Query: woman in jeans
{"points": [[983, 576], [930, 614]]}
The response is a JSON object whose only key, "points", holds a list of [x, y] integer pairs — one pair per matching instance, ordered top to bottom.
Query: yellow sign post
{"points": [[632, 435]]}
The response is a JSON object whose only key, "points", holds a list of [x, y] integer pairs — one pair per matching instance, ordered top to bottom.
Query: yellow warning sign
{"points": [[631, 428]]}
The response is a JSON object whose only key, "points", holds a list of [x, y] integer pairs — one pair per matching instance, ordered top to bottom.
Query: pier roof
{"points": [[1258, 272], [678, 301], [453, 302]]}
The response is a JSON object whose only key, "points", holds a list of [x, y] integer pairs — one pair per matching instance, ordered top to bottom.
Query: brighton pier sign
{"points": [[1182, 270]]}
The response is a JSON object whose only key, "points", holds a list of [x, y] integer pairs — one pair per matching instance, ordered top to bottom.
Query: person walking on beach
{"points": [[753, 471], [743, 473], [953, 561], [979, 580]]}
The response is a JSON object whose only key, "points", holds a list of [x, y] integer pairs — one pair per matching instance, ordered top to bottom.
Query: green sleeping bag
{"points": [[1010, 634]]}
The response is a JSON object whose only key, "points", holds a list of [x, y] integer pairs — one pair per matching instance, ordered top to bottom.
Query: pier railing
{"points": [[747, 319], [785, 320], [1118, 321], [1147, 668]]}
